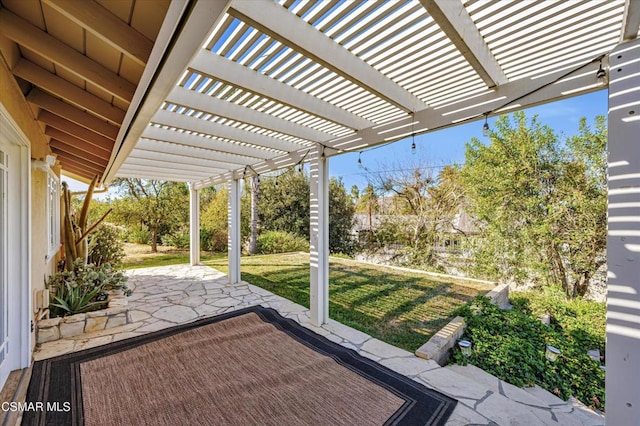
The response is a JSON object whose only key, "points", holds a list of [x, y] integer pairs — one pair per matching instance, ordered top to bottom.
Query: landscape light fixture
{"points": [[601, 73], [486, 131], [465, 347], [552, 353]]}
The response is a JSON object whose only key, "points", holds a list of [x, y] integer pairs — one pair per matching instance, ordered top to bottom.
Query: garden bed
{"points": [[115, 315]]}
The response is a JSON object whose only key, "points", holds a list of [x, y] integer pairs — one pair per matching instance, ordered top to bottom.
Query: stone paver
{"points": [[170, 295]]}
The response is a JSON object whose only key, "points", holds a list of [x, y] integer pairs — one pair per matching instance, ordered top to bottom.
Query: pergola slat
{"points": [[284, 26], [230, 72], [200, 101], [184, 121], [229, 149]]}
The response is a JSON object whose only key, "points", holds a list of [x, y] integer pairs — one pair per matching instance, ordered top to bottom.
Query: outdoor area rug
{"points": [[247, 367]]}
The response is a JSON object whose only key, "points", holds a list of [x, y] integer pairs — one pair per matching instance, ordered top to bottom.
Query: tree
{"points": [[368, 203], [541, 203], [425, 205], [161, 206], [284, 206], [341, 210], [214, 220]]}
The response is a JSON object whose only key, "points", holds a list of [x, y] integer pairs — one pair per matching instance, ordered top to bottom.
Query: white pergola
{"points": [[237, 88]]}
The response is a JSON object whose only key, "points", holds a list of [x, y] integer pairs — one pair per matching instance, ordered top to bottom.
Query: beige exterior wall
{"points": [[15, 104]]}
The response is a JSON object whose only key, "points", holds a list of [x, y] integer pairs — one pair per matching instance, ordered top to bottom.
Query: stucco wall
{"points": [[13, 101]]}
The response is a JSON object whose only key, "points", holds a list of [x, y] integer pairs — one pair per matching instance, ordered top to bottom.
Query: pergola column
{"points": [[194, 225], [319, 241], [623, 241], [233, 244]]}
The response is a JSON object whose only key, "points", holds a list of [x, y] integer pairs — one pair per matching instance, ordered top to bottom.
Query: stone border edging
{"points": [[115, 315], [437, 348]]}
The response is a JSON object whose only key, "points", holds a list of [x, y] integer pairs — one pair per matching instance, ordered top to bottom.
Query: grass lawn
{"points": [[140, 256], [401, 308]]}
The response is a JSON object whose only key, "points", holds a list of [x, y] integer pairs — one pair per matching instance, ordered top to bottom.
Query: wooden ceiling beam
{"points": [[106, 26], [33, 38], [62, 88], [73, 114], [73, 129], [72, 140], [84, 152], [78, 162], [79, 175]]}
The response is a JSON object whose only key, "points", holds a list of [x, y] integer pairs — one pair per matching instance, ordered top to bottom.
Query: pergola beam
{"points": [[630, 21], [455, 22], [106, 26], [284, 26], [33, 38], [230, 72], [62, 88], [528, 91], [200, 101], [71, 113], [183, 121], [224, 150], [186, 151], [186, 160], [145, 162]]}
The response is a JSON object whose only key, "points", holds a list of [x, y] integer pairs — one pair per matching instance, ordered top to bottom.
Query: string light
{"points": [[601, 74], [486, 131], [413, 145], [360, 159]]}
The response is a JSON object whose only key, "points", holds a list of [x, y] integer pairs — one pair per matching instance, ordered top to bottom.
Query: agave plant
{"points": [[74, 298]]}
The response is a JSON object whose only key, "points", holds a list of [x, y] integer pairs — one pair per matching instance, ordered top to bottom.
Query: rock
{"points": [[74, 318], [545, 319], [116, 320], [47, 323], [95, 324], [71, 329], [48, 334], [594, 354]]}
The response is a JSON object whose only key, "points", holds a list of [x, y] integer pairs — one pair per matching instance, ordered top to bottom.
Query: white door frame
{"points": [[19, 251]]}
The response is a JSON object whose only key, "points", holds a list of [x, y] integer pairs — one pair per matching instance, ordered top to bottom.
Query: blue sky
{"points": [[447, 146]]}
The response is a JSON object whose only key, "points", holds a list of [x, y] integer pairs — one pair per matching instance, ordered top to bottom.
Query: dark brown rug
{"points": [[248, 367]]}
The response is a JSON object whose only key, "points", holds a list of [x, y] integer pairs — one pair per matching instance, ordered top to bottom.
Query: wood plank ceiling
{"points": [[78, 64]]}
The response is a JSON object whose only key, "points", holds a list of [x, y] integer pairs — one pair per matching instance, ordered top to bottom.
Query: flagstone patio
{"points": [[165, 296]]}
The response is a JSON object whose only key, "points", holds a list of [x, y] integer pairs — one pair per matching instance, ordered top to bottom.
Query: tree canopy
{"points": [[541, 202]]}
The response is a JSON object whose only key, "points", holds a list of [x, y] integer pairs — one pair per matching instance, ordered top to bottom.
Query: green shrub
{"points": [[138, 234], [178, 239], [214, 240], [270, 242], [105, 245], [83, 289], [510, 344]]}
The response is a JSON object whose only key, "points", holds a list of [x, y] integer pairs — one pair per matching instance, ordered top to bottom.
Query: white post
{"points": [[194, 225], [319, 241], [623, 241], [233, 245]]}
